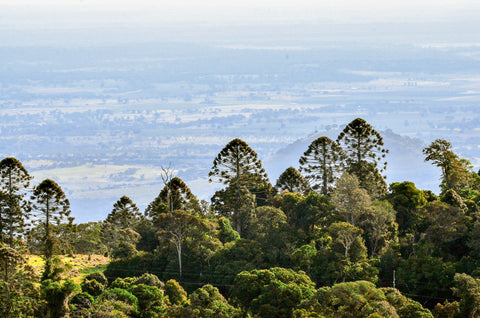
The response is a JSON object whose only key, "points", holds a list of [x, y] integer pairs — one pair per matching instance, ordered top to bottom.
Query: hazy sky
{"points": [[244, 3], [88, 13], [91, 22]]}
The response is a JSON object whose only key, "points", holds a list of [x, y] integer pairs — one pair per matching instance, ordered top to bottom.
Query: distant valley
{"points": [[102, 121]]}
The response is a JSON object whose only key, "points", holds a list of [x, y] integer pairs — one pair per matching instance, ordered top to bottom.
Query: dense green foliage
{"points": [[355, 248]]}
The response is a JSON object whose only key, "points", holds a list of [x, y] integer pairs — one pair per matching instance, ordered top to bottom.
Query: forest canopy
{"points": [[330, 239]]}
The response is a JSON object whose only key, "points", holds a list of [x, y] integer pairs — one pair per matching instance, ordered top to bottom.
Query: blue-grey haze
{"points": [[101, 111]]}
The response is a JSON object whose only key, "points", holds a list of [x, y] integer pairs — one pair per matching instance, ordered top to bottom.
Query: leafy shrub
{"points": [[124, 250], [99, 277], [150, 280], [123, 283], [92, 287], [274, 292], [118, 294], [176, 294], [151, 300], [81, 301], [207, 302]]}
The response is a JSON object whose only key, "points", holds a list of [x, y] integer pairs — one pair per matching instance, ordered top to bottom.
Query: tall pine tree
{"points": [[365, 155], [322, 163], [238, 167], [14, 181], [175, 195], [51, 207], [125, 213], [118, 229]]}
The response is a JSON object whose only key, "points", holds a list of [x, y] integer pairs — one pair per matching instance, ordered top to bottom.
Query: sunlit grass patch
{"points": [[35, 260], [78, 266]]}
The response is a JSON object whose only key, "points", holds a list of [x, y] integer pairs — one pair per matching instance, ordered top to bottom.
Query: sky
{"points": [[92, 13], [72, 23]]}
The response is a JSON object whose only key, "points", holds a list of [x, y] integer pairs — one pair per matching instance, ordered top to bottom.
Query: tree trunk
{"points": [[359, 154], [325, 174], [10, 208], [237, 211], [239, 228], [374, 247], [48, 250], [179, 254], [6, 289]]}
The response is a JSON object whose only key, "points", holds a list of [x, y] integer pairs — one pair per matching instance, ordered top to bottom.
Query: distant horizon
{"points": [[62, 14], [84, 23]]}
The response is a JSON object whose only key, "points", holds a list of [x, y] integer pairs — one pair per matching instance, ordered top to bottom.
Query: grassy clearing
{"points": [[79, 265]]}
